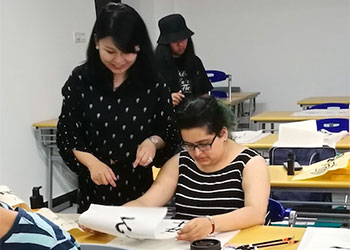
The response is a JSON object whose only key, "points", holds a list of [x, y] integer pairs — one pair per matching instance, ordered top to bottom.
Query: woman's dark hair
{"points": [[127, 29], [164, 57], [205, 112]]}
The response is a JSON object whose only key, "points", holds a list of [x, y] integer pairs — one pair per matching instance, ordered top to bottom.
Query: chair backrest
{"points": [[216, 75], [330, 105], [333, 125], [304, 156]]}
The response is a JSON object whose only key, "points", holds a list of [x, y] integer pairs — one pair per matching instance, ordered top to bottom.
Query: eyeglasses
{"points": [[201, 147]]}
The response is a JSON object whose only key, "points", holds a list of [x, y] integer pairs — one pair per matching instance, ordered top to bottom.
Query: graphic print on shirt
{"points": [[184, 82]]}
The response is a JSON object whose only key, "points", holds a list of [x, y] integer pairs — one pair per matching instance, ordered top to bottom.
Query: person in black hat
{"points": [[178, 64]]}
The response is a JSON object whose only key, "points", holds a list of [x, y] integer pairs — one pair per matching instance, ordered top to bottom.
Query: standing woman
{"points": [[180, 67], [116, 119]]}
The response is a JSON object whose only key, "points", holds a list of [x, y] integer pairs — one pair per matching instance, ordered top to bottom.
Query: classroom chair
{"points": [[219, 76], [329, 105], [333, 125], [276, 212]]}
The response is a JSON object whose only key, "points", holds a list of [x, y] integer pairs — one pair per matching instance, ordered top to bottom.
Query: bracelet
{"points": [[154, 140], [212, 224]]}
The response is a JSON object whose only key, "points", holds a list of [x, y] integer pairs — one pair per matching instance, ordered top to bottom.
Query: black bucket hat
{"points": [[172, 29]]}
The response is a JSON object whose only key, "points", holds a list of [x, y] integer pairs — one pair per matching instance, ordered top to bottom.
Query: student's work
{"points": [[324, 112], [305, 134], [248, 136], [322, 167], [8, 197], [131, 222], [325, 238]]}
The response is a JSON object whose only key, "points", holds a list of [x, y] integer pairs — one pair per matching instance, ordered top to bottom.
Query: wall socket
{"points": [[79, 37]]}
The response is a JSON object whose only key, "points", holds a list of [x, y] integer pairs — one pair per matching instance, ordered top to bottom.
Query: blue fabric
{"points": [[33, 231]]}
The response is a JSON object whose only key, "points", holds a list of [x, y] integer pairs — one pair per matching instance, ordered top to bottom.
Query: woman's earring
{"points": [[97, 47], [225, 140]]}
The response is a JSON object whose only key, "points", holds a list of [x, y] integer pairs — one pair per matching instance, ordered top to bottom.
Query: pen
{"points": [[280, 243], [259, 244]]}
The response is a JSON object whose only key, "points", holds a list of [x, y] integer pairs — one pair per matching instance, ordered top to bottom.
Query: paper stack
{"points": [[305, 134]]}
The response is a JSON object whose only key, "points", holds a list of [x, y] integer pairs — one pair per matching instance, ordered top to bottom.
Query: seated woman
{"points": [[219, 185], [22, 230]]}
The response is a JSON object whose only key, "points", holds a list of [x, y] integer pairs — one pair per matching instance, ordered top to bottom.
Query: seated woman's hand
{"points": [[101, 174], [195, 229]]}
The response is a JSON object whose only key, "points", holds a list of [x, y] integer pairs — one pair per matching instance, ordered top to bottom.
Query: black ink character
{"points": [[118, 225], [175, 229]]}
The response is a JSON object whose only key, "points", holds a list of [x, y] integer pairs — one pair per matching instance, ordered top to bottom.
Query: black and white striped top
{"points": [[200, 194]]}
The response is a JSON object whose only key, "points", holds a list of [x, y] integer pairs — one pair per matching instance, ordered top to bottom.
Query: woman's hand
{"points": [[177, 97], [145, 153], [101, 174], [195, 229]]}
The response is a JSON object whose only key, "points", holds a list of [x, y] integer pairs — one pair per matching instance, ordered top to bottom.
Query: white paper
{"points": [[324, 112], [296, 134], [305, 134], [248, 136], [8, 197], [54, 218], [132, 222], [325, 238], [167, 244]]}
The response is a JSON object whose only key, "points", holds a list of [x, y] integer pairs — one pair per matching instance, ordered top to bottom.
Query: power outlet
{"points": [[79, 37]]}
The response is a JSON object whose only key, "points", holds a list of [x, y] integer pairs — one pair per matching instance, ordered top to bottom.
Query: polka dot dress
{"points": [[110, 125]]}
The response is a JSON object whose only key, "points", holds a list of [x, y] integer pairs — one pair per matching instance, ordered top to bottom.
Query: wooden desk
{"points": [[237, 101], [310, 101], [273, 117], [47, 137], [264, 144], [280, 179], [327, 183], [265, 233]]}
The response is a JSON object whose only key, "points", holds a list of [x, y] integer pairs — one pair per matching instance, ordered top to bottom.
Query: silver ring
{"points": [[150, 159]]}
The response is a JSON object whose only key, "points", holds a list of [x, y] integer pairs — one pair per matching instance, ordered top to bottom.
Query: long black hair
{"points": [[127, 30], [164, 57], [204, 112]]}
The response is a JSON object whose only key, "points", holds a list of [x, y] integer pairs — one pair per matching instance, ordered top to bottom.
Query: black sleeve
{"points": [[205, 84], [166, 126], [69, 127]]}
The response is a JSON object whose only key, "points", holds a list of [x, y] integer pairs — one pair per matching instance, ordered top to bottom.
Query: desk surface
{"points": [[239, 97], [324, 99], [284, 116], [52, 123], [268, 141], [279, 178], [265, 233], [249, 235]]}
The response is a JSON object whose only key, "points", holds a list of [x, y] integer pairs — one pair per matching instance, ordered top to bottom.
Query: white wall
{"points": [[286, 49], [37, 55]]}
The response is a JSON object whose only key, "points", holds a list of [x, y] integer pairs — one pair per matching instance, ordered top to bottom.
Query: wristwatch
{"points": [[154, 140]]}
